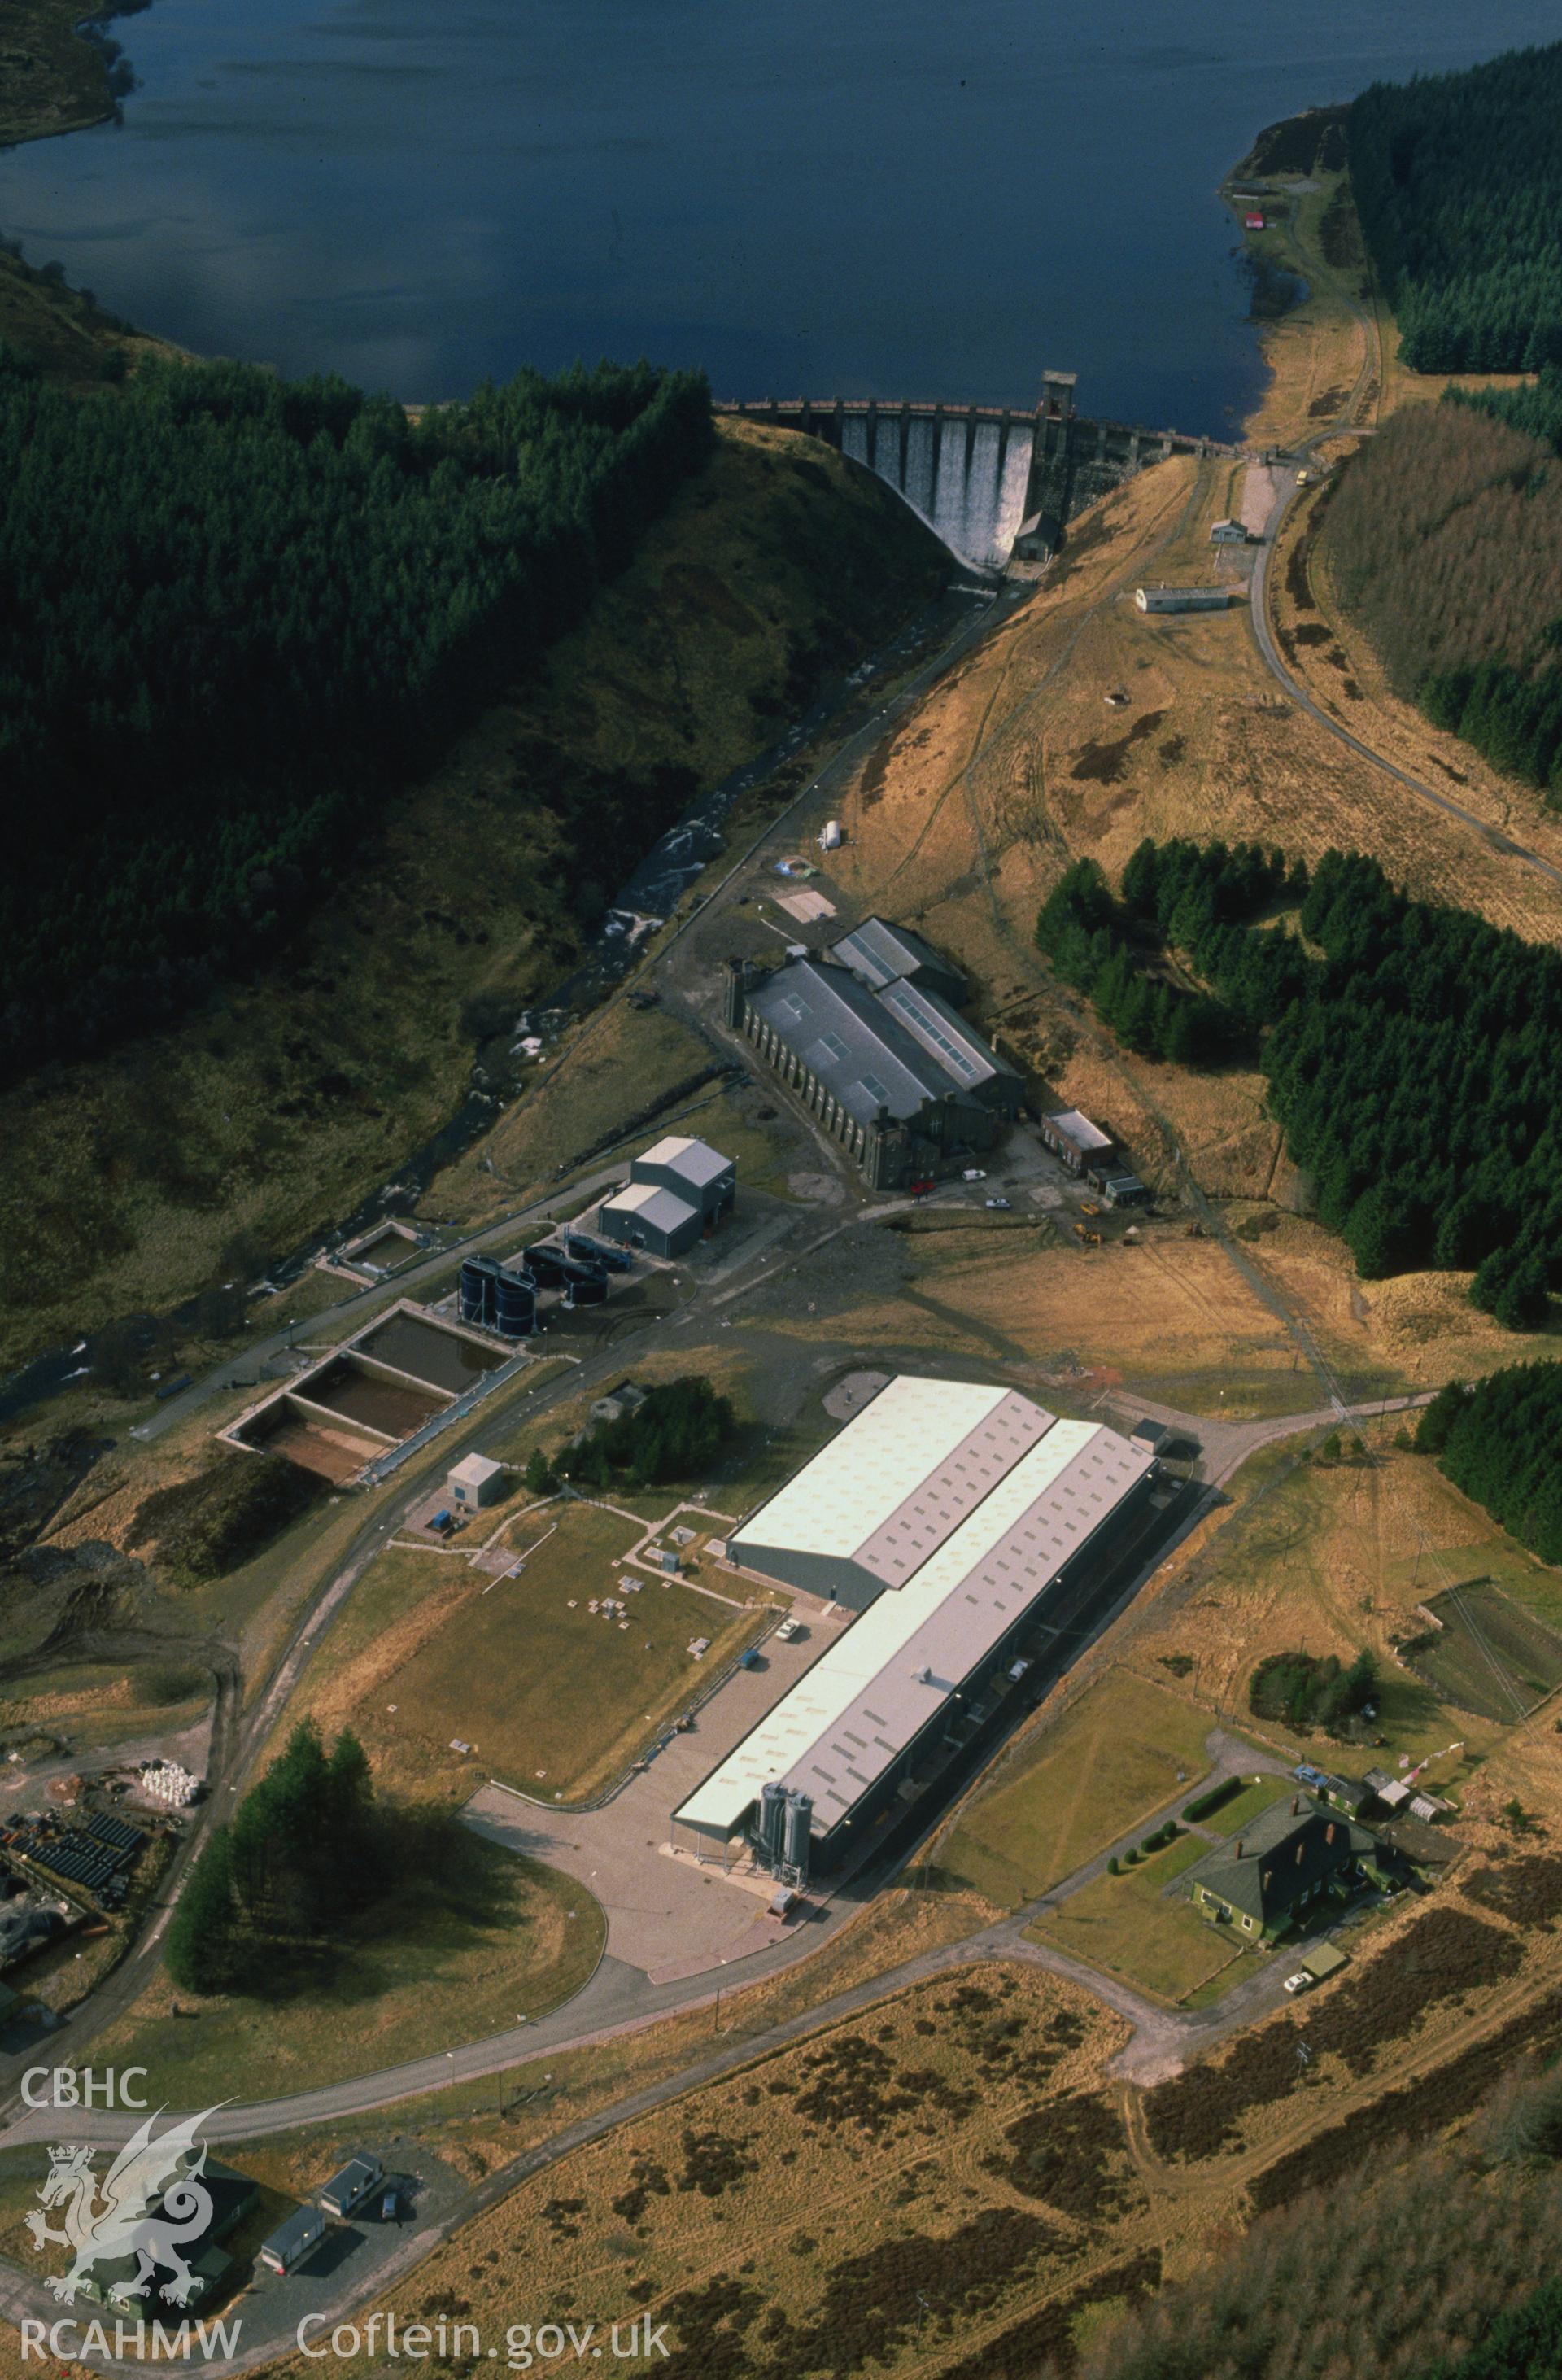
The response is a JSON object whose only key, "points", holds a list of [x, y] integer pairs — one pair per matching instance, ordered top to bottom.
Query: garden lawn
{"points": [[433, 1653], [557, 1699], [1124, 1749], [1250, 1803], [1128, 1925]]}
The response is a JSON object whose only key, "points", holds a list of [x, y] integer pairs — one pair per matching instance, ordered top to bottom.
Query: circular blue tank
{"points": [[474, 1290], [514, 1306]]}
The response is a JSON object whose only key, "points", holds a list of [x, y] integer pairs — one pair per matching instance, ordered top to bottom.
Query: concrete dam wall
{"points": [[993, 482]]}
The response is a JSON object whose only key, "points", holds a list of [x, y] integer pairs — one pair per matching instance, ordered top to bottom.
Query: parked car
{"points": [[973, 1174], [1000, 1202], [786, 1632], [1301, 1982]]}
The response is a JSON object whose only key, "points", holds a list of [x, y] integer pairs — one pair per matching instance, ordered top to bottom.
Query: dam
{"points": [[995, 483]]}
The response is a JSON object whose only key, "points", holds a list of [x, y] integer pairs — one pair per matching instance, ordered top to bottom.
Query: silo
{"points": [[587, 1289], [514, 1306], [772, 1820], [798, 1829]]}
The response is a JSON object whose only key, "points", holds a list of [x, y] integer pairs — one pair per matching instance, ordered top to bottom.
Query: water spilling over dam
{"points": [[967, 475], [995, 483]]}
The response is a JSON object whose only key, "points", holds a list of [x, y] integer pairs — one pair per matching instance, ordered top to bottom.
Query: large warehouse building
{"points": [[952, 1518]]}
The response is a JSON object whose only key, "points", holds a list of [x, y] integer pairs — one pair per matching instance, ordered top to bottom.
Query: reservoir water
{"points": [[894, 199]]}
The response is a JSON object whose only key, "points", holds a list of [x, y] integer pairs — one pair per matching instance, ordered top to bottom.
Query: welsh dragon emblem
{"points": [[150, 2203]]}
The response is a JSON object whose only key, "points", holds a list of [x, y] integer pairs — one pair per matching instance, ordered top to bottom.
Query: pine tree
{"points": [[203, 1947]]}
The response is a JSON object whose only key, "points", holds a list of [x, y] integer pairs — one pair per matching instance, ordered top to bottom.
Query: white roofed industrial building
{"points": [[691, 1170], [644, 1215], [876, 1501], [950, 1516]]}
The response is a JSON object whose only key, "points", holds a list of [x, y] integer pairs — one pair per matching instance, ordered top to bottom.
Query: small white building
{"points": [[1182, 598], [475, 1481]]}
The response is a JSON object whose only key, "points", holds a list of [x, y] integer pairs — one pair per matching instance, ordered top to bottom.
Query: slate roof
{"points": [[880, 954], [894, 1048], [864, 1056], [1283, 1852]]}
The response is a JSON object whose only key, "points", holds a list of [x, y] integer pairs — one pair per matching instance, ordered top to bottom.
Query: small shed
{"points": [[1228, 532], [1075, 1138], [1125, 1190], [1156, 1435], [474, 1481], [1326, 1960], [349, 2188], [293, 2242]]}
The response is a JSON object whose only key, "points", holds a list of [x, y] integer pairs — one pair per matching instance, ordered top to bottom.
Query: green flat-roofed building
{"points": [[1326, 1960]]}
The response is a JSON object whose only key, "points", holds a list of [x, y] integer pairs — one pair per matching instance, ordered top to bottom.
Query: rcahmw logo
{"points": [[129, 2234]]}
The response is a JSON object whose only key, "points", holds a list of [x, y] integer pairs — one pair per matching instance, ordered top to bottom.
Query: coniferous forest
{"points": [[1458, 182], [1445, 538], [239, 613], [1415, 1065], [1497, 1440]]}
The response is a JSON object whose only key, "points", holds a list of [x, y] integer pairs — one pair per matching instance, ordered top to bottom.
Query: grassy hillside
{"points": [[52, 79], [136, 1180]]}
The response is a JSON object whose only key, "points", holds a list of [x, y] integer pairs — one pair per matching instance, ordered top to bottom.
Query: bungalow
{"points": [[1284, 1863]]}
